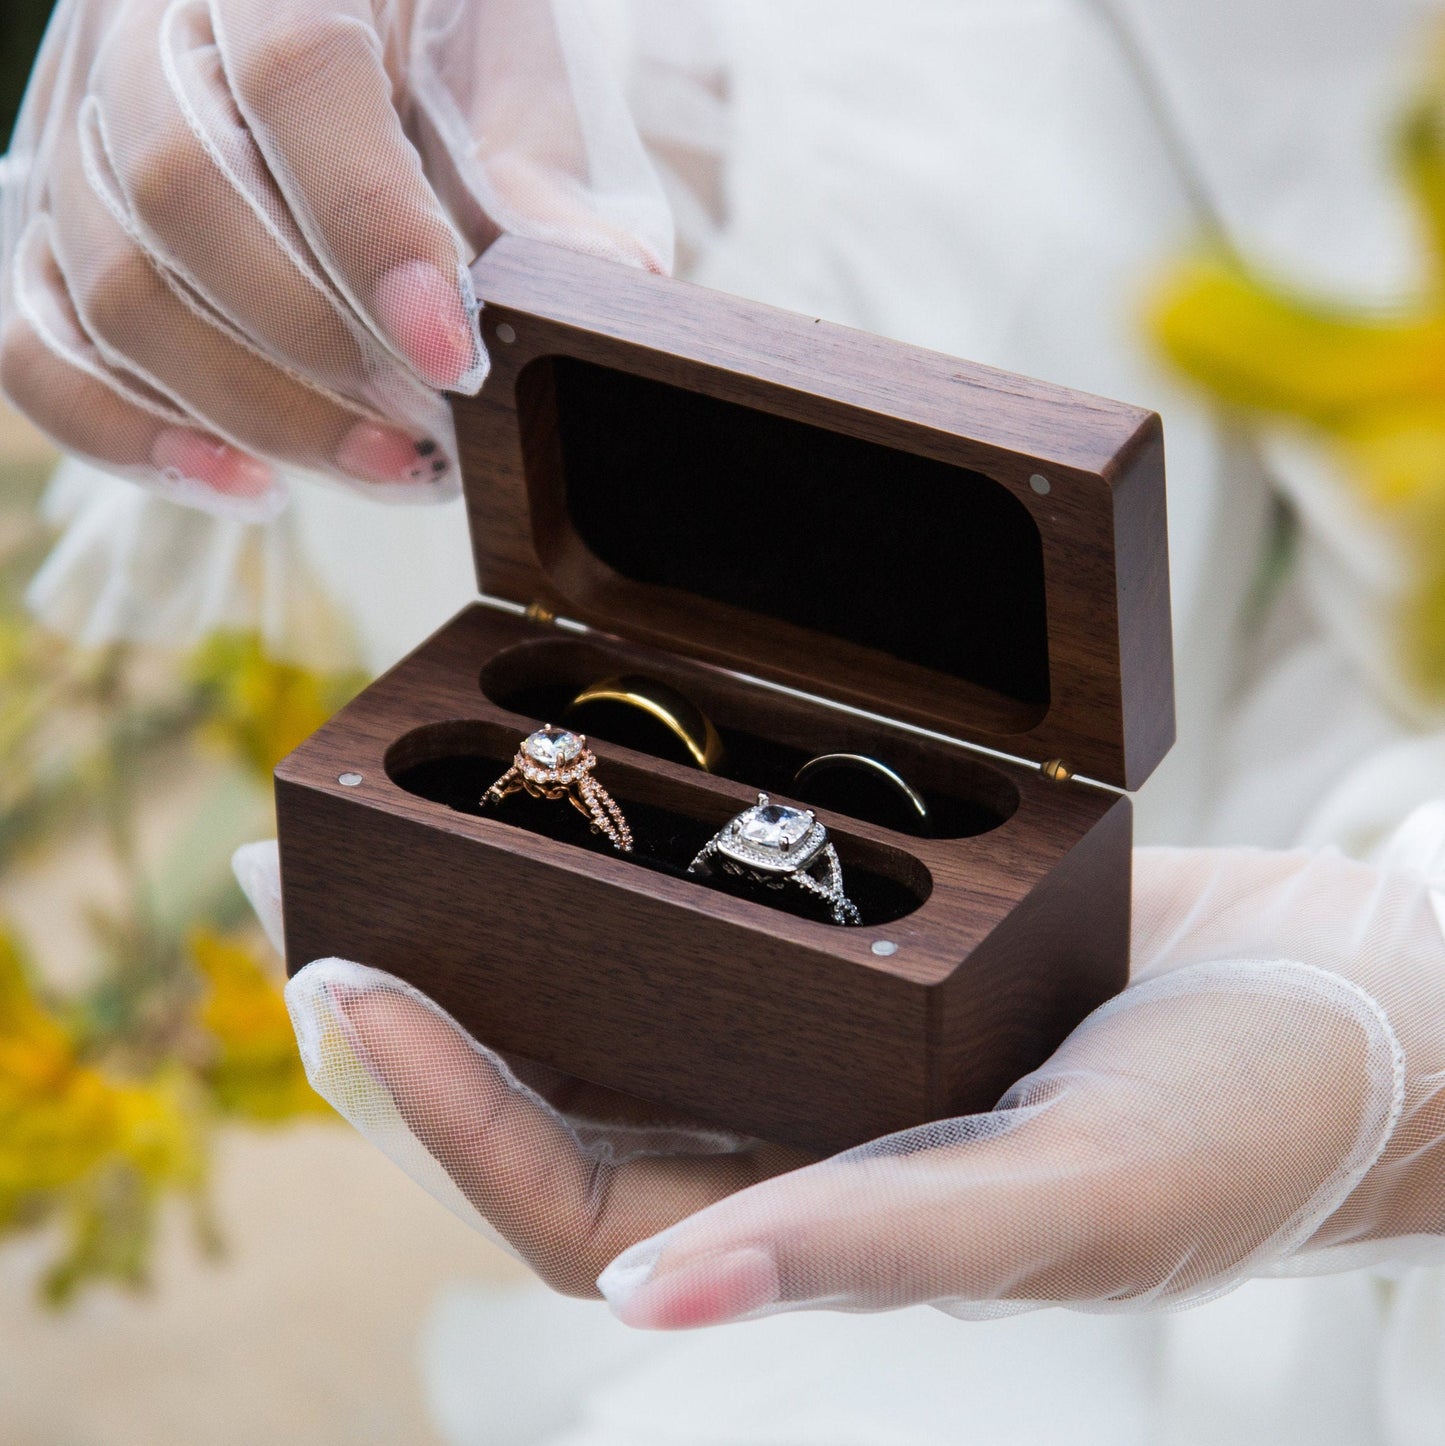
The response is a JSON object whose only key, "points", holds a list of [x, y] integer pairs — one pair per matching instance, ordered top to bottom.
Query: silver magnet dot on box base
{"points": [[506, 333], [1041, 484], [349, 780], [884, 948]]}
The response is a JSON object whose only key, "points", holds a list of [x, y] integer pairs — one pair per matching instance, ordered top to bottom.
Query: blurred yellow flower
{"points": [[1371, 385], [1374, 386], [260, 709], [254, 1070], [109, 1097], [65, 1124]]}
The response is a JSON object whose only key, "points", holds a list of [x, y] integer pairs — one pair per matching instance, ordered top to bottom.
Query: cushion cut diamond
{"points": [[552, 747], [775, 826], [770, 839]]}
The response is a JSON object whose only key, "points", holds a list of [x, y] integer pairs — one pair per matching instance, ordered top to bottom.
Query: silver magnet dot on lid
{"points": [[506, 332], [1041, 484], [349, 780], [884, 948]]}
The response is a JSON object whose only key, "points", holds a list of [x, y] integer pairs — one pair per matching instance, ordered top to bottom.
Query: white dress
{"points": [[1000, 179]]}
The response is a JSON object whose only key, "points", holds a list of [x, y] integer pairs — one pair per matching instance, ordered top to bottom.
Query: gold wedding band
{"points": [[678, 714]]}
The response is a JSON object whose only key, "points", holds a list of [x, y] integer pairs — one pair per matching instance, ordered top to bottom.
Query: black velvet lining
{"points": [[930, 563], [663, 841]]}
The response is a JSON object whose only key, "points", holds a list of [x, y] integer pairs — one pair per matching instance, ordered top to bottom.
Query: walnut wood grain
{"points": [[1109, 713], [624, 971], [744, 1016]]}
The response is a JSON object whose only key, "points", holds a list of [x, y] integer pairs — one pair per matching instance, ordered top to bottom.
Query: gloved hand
{"points": [[236, 232], [1264, 1098]]}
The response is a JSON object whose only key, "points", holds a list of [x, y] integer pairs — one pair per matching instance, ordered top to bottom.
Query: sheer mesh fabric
{"points": [[236, 232], [1263, 1099]]}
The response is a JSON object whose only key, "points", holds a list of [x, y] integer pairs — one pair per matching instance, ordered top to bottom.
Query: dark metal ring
{"points": [[913, 815]]}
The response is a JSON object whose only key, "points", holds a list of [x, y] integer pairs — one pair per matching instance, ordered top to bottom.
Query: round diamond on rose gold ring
{"points": [[555, 763]]}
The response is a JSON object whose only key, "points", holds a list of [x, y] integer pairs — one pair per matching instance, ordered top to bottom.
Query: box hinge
{"points": [[534, 611], [1056, 770]]}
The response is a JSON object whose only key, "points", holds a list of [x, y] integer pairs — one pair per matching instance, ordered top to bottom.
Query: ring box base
{"points": [[743, 1016]]}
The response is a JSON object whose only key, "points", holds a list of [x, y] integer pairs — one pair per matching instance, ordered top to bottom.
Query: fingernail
{"points": [[428, 318], [381, 454], [195, 457], [339, 996], [700, 1292]]}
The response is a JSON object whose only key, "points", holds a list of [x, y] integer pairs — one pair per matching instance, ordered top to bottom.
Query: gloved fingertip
{"points": [[432, 318], [371, 452], [201, 469], [342, 999], [702, 1291]]}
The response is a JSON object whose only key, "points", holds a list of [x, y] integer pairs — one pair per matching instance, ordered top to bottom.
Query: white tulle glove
{"points": [[235, 232], [1265, 1098]]}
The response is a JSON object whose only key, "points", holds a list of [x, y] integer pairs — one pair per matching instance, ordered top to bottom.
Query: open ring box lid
{"points": [[778, 516], [947, 545]]}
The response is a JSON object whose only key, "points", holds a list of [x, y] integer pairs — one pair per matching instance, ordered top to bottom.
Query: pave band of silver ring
{"points": [[775, 845]]}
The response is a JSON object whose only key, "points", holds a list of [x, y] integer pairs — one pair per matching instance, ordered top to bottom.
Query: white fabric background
{"points": [[987, 177], [990, 177]]}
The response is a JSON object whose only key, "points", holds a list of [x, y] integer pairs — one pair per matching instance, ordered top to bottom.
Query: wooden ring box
{"points": [[831, 542]]}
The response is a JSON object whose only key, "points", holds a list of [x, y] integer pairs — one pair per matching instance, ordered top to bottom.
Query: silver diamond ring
{"points": [[774, 845]]}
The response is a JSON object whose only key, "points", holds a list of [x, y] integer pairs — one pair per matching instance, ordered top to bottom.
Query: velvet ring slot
{"points": [[764, 741], [452, 763]]}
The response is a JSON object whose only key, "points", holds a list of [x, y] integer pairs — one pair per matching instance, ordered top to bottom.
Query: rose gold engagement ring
{"points": [[556, 763]]}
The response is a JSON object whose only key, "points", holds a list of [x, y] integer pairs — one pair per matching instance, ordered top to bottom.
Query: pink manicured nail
{"points": [[424, 311], [381, 454], [200, 458], [703, 1292]]}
